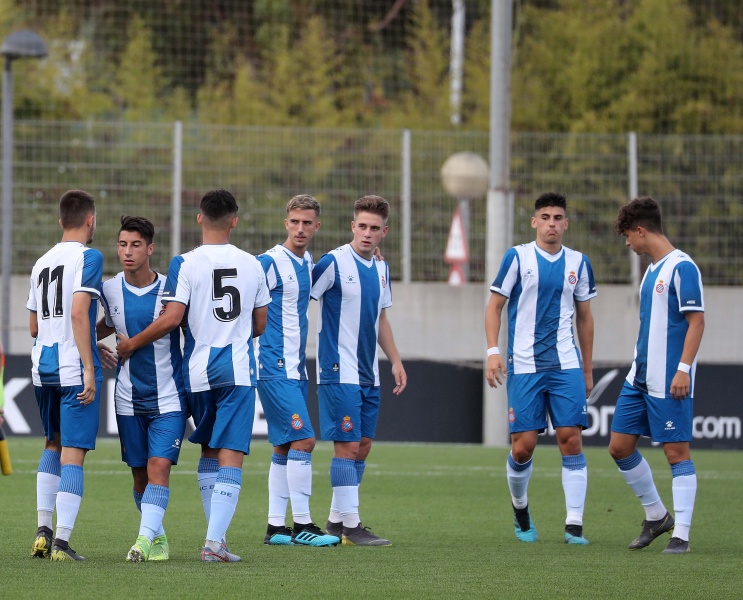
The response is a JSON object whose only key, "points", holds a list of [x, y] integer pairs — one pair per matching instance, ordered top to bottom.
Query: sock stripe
{"points": [[299, 455], [574, 462], [49, 463], [629, 463], [208, 465], [518, 466], [683, 468], [343, 472], [230, 476], [71, 480], [157, 495]]}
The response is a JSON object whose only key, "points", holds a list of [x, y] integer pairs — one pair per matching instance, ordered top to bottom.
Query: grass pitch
{"points": [[445, 507]]}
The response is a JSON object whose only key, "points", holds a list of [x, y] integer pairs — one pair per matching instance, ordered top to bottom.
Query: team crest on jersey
{"points": [[572, 279], [384, 282], [659, 287], [280, 363], [336, 368], [511, 415], [297, 423], [346, 425]]}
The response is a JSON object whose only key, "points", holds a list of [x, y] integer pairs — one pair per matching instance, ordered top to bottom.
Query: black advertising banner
{"points": [[442, 403]]}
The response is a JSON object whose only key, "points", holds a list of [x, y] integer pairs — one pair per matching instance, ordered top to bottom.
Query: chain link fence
{"points": [[129, 167]]}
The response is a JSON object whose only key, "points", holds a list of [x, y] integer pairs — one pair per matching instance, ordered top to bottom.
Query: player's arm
{"points": [[260, 317], [168, 320], [33, 324], [584, 328], [81, 330], [102, 331], [387, 343], [496, 368], [681, 382]]}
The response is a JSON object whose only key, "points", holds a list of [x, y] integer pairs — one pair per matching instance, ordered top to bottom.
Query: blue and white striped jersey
{"points": [[68, 268], [220, 285], [670, 288], [542, 290], [352, 292], [281, 348], [150, 382]]}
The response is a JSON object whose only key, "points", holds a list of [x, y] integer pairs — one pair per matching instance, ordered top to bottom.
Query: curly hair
{"points": [[640, 212]]}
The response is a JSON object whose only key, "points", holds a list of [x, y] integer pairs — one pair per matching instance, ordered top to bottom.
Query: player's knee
{"points": [[306, 445]]}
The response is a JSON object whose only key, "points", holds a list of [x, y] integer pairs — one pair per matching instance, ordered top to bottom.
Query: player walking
{"points": [[657, 399]]}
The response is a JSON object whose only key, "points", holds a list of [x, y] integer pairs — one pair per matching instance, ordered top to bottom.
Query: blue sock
{"points": [[49, 463], [360, 468], [343, 472], [137, 499]]}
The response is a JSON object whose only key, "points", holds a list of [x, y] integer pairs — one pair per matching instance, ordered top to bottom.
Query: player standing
{"points": [[545, 284], [353, 288], [222, 292], [67, 374], [282, 379], [150, 397], [657, 399]]}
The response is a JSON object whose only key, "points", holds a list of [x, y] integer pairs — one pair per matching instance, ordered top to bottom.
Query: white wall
{"points": [[438, 322]]}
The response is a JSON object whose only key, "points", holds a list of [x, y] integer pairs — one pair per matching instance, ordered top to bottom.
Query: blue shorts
{"points": [[561, 393], [285, 406], [62, 412], [348, 412], [223, 417], [663, 419], [145, 436]]}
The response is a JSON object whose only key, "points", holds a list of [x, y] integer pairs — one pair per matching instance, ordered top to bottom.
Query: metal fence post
{"points": [[633, 193], [405, 196], [177, 199]]}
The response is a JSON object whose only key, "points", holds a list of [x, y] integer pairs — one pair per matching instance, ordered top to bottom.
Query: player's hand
{"points": [[378, 254], [123, 347], [109, 360], [496, 371], [588, 377], [401, 378], [680, 385], [88, 394], [2, 420]]}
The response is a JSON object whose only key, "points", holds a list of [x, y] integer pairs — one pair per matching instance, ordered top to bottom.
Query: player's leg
{"points": [[568, 411], [203, 413], [527, 416], [630, 421], [79, 427], [231, 432], [163, 445], [49, 471], [360, 535]]}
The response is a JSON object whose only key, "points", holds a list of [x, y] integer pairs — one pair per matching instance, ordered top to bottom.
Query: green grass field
{"points": [[446, 508]]}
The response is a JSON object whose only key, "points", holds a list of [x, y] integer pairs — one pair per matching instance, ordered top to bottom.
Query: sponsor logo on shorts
{"points": [[572, 279], [659, 287], [280, 363], [336, 368], [511, 415], [297, 423], [346, 425], [669, 426], [176, 443]]}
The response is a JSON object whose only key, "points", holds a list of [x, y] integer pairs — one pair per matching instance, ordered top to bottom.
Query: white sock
{"points": [[518, 476], [299, 479], [640, 479], [574, 484], [206, 487], [684, 493], [278, 494], [46, 497], [347, 499], [68, 505], [223, 505], [335, 515]]}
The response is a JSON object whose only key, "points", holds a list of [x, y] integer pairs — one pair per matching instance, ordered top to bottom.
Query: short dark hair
{"points": [[551, 199], [303, 202], [218, 204], [372, 204], [75, 206], [640, 212], [138, 225]]}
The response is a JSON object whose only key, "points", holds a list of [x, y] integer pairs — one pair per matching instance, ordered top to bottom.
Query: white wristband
{"points": [[493, 350], [684, 368]]}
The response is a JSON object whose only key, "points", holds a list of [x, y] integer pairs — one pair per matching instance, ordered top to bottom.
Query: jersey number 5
{"points": [[44, 280], [219, 291]]}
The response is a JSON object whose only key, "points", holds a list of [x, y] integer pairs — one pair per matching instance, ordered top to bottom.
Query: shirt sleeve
{"points": [[269, 268], [89, 273], [508, 275], [323, 276], [688, 283], [177, 286], [386, 288], [585, 289], [262, 296], [31, 302], [106, 309]]}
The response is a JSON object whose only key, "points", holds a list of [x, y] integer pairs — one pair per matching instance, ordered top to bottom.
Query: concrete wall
{"points": [[435, 321]]}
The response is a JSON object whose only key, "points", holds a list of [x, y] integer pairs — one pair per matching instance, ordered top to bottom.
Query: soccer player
{"points": [[545, 284], [353, 288], [222, 293], [67, 375], [282, 379], [150, 397], [657, 399]]}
